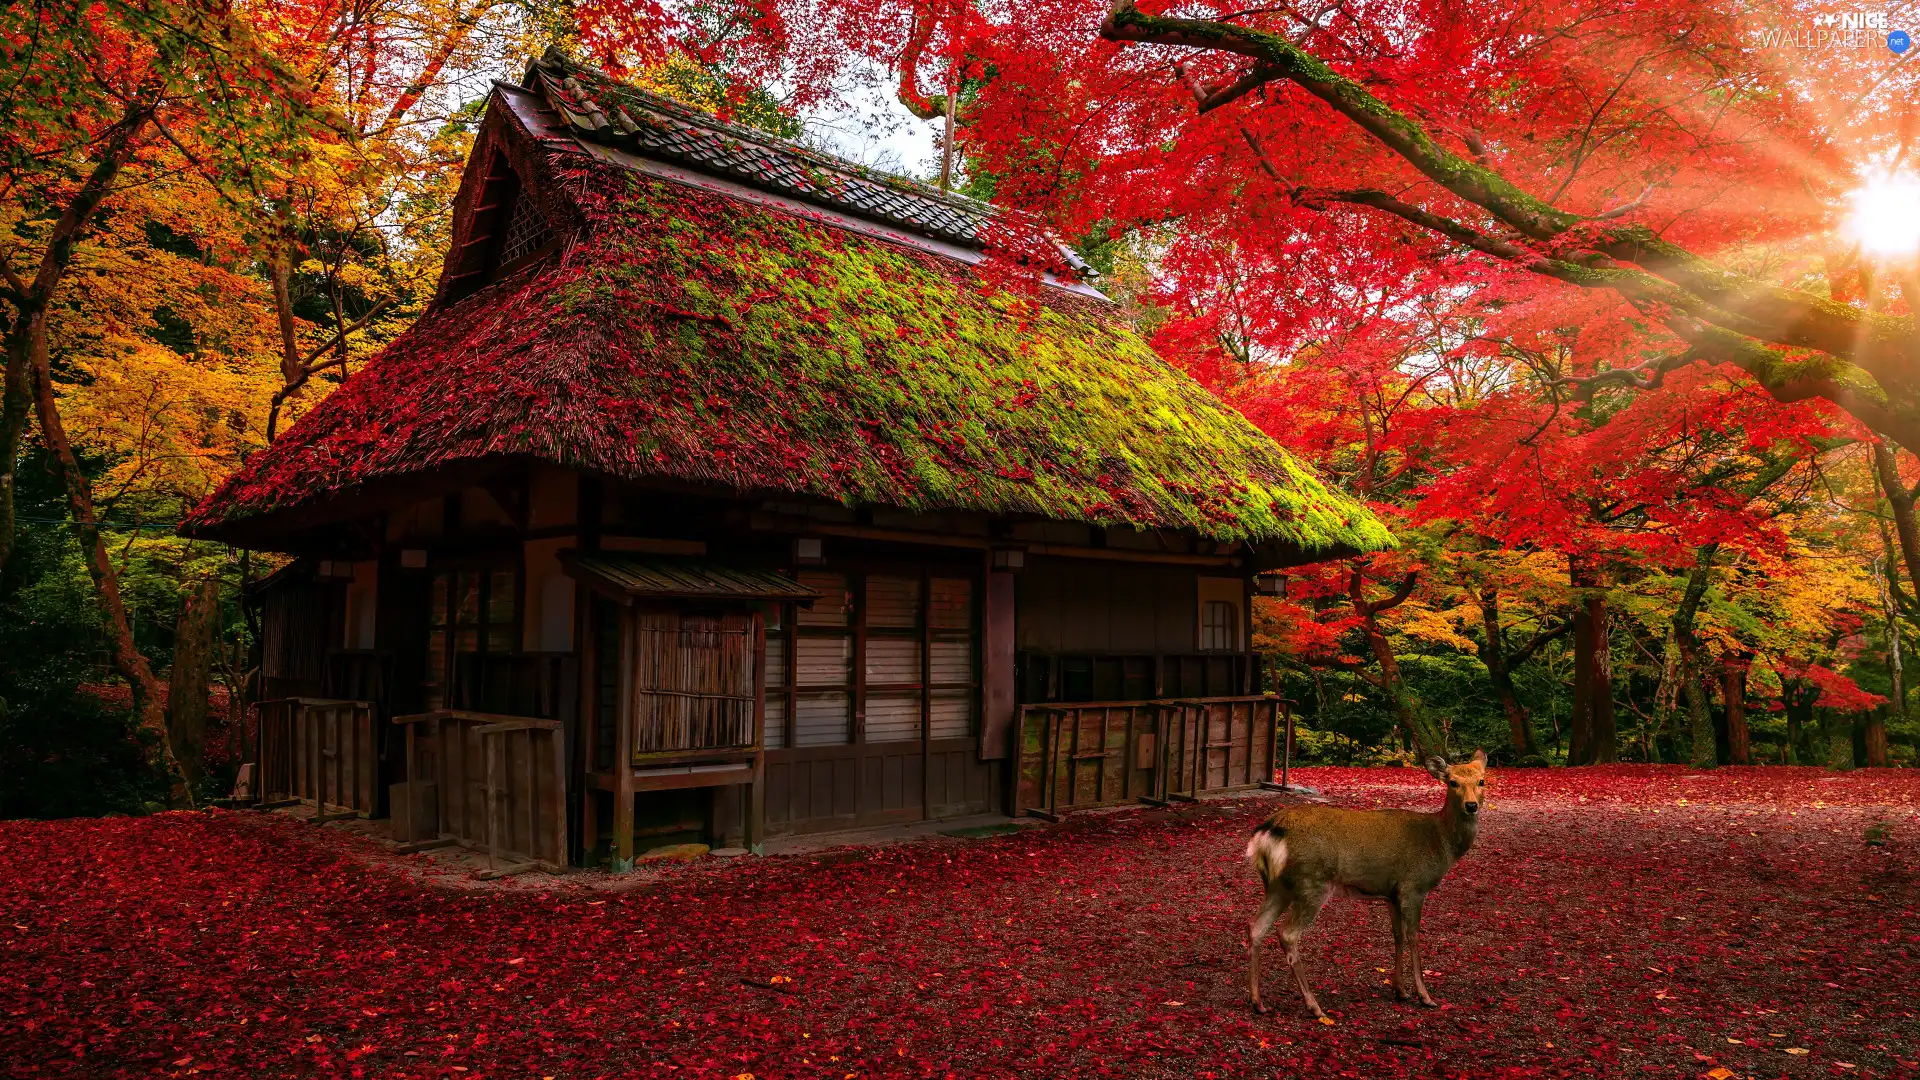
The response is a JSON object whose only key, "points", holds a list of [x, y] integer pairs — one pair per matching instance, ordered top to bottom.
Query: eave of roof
{"points": [[657, 577]]}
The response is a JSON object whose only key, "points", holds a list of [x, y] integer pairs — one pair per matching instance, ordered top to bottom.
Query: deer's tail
{"points": [[1267, 851]]}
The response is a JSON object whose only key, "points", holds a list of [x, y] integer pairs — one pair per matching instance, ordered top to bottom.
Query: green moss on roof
{"points": [[704, 339]]}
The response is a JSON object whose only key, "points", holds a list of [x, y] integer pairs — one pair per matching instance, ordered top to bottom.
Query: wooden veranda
{"points": [[1082, 755]]}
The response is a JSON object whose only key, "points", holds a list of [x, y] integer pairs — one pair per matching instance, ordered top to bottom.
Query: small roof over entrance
{"points": [[655, 577]]}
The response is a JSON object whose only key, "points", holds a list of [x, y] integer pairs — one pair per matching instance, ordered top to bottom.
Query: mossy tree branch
{"points": [[1870, 364]]}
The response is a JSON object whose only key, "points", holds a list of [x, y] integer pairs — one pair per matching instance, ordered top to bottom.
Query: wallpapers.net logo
{"points": [[1839, 30]]}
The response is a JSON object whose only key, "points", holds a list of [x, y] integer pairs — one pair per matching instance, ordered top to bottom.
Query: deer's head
{"points": [[1466, 782]]}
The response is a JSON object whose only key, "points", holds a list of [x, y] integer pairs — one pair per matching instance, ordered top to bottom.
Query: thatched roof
{"points": [[691, 335]]}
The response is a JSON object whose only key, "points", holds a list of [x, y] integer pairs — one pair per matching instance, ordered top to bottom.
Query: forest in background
{"points": [[1643, 432]]}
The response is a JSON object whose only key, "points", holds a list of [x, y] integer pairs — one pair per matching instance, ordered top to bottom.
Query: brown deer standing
{"points": [[1303, 853]]}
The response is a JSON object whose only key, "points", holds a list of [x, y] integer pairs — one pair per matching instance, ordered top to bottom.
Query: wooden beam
{"points": [[768, 523], [1073, 551], [690, 776], [517, 868]]}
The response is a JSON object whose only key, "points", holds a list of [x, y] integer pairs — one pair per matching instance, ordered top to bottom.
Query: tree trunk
{"points": [[280, 272], [27, 330], [15, 402], [1905, 526], [127, 660], [1499, 671], [188, 682], [1733, 687], [1798, 698], [1699, 714], [1580, 719], [1519, 725], [1603, 739], [1877, 739], [1425, 740], [1839, 742], [1704, 753]]}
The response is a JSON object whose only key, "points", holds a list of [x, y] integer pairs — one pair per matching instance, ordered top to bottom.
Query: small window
{"points": [[527, 230], [473, 611], [1219, 625]]}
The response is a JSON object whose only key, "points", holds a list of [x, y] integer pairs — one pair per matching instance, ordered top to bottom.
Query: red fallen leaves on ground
{"points": [[1602, 938]]}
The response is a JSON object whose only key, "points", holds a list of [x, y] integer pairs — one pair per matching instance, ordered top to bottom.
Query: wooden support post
{"points": [[314, 773], [494, 789], [756, 824], [622, 859]]}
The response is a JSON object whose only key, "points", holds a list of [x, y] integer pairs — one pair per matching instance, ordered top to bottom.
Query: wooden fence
{"points": [[318, 751], [1083, 755], [487, 782]]}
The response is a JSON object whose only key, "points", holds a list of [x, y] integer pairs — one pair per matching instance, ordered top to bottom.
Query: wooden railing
{"points": [[1217, 744], [318, 751], [1081, 755], [487, 782]]}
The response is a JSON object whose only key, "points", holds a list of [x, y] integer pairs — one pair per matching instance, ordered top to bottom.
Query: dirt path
{"points": [[1671, 924]]}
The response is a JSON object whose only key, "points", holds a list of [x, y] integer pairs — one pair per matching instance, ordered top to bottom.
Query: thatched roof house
{"points": [[668, 337]]}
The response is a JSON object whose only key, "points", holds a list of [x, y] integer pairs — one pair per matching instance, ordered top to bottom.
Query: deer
{"points": [[1304, 853]]}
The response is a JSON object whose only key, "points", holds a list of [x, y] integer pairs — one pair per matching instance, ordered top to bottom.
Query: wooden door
{"points": [[873, 700]]}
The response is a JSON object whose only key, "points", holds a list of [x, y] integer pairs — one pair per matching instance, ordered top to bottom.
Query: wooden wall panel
{"points": [[1086, 606], [827, 788]]}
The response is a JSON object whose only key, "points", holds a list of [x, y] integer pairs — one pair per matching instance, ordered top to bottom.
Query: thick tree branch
{"points": [[1237, 89], [1885, 348], [308, 369], [1356, 582], [1538, 642]]}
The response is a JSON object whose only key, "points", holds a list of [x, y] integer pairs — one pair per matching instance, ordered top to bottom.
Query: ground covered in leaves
{"points": [[1622, 921]]}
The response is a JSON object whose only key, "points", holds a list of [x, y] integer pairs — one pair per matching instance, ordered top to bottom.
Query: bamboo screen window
{"points": [[526, 228], [472, 611], [920, 665], [693, 681]]}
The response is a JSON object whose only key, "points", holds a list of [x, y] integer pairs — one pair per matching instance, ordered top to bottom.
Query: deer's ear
{"points": [[1480, 758], [1437, 766]]}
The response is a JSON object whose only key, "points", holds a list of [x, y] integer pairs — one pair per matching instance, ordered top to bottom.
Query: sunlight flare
{"points": [[1885, 220]]}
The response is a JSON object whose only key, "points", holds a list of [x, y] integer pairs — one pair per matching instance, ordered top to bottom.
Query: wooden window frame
{"points": [[452, 569], [1228, 633], [856, 688]]}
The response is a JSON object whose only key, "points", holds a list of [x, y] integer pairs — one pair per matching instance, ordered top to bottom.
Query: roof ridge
{"points": [[597, 107], [692, 114]]}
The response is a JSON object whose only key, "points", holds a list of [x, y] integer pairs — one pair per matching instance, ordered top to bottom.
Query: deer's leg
{"points": [[1307, 902], [1412, 908], [1270, 910], [1397, 918]]}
